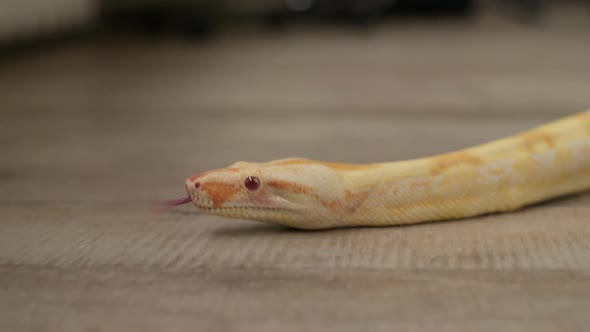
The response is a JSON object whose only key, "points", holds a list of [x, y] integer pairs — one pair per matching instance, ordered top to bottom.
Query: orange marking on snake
{"points": [[532, 141], [565, 157], [444, 162], [526, 165], [334, 166], [347, 167], [498, 171], [200, 175], [197, 176], [289, 186], [220, 192], [355, 199], [352, 200], [332, 205]]}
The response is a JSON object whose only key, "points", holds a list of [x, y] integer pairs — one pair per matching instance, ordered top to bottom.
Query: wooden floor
{"points": [[92, 132]]}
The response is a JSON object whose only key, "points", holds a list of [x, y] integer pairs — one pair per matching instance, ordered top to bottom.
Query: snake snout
{"points": [[188, 185], [193, 188]]}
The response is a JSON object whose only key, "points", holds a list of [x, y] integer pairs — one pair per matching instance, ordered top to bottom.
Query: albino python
{"points": [[546, 162]]}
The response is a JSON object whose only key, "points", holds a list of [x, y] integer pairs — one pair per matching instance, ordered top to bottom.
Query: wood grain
{"points": [[551, 237], [295, 299]]}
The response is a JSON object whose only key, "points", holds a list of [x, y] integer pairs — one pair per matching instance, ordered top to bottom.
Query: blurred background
{"points": [[195, 19], [176, 87]]}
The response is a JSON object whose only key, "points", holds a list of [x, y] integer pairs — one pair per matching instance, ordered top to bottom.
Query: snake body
{"points": [[546, 162]]}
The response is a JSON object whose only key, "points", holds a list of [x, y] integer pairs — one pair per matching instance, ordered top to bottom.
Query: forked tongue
{"points": [[164, 206]]}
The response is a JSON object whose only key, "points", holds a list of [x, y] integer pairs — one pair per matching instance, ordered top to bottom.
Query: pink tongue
{"points": [[176, 202], [167, 205]]}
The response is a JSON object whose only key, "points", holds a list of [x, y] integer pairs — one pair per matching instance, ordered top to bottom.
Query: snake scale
{"points": [[504, 175]]}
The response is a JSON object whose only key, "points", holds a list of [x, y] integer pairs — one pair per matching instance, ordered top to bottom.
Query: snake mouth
{"points": [[194, 198], [209, 209], [218, 210]]}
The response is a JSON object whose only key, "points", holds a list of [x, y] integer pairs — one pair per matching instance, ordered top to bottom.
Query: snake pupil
{"points": [[252, 183]]}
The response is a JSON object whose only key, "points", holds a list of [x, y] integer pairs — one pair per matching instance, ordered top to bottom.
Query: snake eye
{"points": [[252, 183]]}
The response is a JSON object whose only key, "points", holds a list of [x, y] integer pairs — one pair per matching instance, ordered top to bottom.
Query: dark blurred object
{"points": [[434, 7], [355, 9], [375, 9], [527, 10], [359, 11], [152, 17], [197, 18], [23, 21]]}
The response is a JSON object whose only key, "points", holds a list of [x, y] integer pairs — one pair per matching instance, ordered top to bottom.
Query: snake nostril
{"points": [[197, 184]]}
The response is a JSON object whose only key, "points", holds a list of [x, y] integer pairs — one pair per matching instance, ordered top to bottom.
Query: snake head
{"points": [[283, 192]]}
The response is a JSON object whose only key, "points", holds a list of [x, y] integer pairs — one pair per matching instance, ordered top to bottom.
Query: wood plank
{"points": [[553, 237], [317, 299]]}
